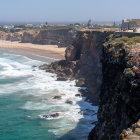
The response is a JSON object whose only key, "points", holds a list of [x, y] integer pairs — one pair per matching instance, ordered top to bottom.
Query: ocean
{"points": [[35, 106]]}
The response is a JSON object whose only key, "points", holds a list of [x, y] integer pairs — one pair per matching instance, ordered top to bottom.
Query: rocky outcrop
{"points": [[70, 53], [64, 69], [120, 93], [132, 133]]}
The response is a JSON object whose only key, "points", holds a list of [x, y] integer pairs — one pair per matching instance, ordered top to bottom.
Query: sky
{"points": [[68, 10]]}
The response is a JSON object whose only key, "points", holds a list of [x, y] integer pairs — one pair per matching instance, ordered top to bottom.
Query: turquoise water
{"points": [[27, 93]]}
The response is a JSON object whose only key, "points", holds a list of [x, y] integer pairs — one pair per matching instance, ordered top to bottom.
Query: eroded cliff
{"points": [[17, 36], [60, 37], [88, 68], [120, 93]]}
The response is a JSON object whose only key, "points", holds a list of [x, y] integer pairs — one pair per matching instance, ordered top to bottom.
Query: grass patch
{"points": [[111, 36], [125, 40]]}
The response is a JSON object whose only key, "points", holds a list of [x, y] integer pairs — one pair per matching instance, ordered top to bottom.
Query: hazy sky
{"points": [[68, 10]]}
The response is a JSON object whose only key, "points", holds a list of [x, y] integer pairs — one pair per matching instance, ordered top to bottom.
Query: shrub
{"points": [[110, 36], [136, 39], [125, 40], [130, 42], [118, 43]]}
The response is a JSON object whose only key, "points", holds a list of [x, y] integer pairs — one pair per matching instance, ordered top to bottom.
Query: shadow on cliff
{"points": [[85, 124]]}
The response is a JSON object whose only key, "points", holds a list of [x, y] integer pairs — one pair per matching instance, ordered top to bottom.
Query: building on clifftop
{"points": [[131, 25]]}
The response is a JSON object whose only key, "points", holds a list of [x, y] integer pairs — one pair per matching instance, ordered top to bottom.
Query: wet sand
{"points": [[46, 53]]}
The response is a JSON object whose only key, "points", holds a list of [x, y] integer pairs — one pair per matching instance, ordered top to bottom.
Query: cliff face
{"points": [[11, 36], [29, 36], [60, 37], [88, 68], [120, 93]]}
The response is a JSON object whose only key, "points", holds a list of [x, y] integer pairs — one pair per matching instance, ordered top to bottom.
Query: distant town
{"points": [[46, 25], [127, 25]]}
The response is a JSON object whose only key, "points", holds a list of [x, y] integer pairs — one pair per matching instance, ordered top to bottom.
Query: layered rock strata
{"points": [[17, 36], [60, 37]]}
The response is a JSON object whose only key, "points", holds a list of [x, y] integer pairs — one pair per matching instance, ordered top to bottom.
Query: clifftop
{"points": [[100, 30]]}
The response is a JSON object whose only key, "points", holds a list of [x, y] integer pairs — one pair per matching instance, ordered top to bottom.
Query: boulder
{"points": [[34, 66], [62, 79], [80, 82], [77, 95], [69, 102], [51, 116]]}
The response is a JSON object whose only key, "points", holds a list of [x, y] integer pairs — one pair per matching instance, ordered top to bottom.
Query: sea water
{"points": [[27, 95]]}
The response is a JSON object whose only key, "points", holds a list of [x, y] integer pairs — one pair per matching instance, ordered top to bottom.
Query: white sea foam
{"points": [[43, 86]]}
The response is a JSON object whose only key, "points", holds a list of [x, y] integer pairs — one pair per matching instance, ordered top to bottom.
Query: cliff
{"points": [[11, 36], [29, 36], [60, 37], [88, 68], [120, 92]]}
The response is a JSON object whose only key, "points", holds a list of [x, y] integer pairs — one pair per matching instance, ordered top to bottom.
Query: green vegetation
{"points": [[77, 24], [19, 26], [105, 26], [57, 27], [3, 29], [113, 36], [116, 40]]}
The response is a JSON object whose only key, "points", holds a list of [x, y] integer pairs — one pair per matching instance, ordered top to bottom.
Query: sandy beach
{"points": [[47, 53]]}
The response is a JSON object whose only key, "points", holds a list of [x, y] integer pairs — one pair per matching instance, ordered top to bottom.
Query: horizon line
{"points": [[54, 22]]}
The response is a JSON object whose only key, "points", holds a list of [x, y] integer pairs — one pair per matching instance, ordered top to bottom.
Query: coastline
{"points": [[45, 53], [71, 96]]}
